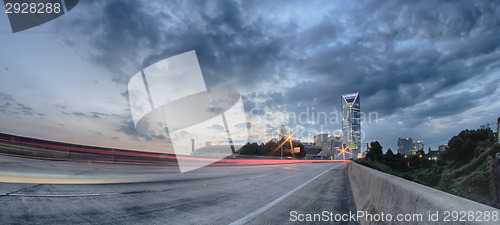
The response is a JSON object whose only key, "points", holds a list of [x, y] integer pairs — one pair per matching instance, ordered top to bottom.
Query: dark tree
{"points": [[271, 147], [462, 148], [252, 149], [375, 152], [389, 157], [395, 161]]}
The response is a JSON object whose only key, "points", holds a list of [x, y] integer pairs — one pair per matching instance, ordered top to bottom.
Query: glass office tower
{"points": [[351, 125]]}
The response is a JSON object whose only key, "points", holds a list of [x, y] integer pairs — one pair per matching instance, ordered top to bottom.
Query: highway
{"points": [[64, 192]]}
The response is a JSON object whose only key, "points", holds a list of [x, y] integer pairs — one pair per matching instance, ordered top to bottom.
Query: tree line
{"points": [[271, 148]]}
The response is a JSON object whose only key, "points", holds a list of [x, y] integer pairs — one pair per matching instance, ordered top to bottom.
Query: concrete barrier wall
{"points": [[376, 193]]}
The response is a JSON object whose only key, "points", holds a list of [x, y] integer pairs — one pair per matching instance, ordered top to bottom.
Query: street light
{"points": [[289, 137], [343, 150]]}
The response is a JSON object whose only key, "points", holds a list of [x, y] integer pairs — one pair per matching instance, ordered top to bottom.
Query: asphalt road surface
{"points": [[60, 192]]}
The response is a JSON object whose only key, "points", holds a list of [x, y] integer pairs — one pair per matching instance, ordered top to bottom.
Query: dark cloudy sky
{"points": [[425, 69]]}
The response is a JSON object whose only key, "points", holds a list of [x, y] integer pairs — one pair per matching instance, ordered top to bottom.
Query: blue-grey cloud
{"points": [[396, 54], [9, 106], [95, 115], [247, 125], [217, 127], [128, 128]]}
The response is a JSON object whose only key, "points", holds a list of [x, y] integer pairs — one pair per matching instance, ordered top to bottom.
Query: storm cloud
{"points": [[290, 55]]}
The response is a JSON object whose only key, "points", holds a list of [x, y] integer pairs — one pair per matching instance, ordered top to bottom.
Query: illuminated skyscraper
{"points": [[351, 126]]}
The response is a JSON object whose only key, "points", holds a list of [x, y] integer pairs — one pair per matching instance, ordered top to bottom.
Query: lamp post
{"points": [[289, 137], [281, 151]]}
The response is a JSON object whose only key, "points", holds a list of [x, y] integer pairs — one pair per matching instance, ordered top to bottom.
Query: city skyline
{"points": [[426, 70]]}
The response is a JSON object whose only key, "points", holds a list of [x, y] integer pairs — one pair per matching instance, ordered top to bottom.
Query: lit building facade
{"points": [[351, 125], [322, 141], [329, 144], [406, 146], [419, 146], [443, 148]]}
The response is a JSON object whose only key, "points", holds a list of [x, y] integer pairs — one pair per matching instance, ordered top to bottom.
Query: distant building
{"points": [[351, 125], [322, 141], [336, 141], [328, 144], [336, 144], [406, 146], [419, 146], [443, 147], [312, 151], [432, 155]]}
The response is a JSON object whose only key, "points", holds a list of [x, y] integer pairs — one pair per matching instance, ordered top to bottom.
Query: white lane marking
{"points": [[258, 176], [51, 195], [257, 212]]}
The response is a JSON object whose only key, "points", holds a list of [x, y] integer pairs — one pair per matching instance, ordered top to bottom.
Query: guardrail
{"points": [[384, 197]]}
